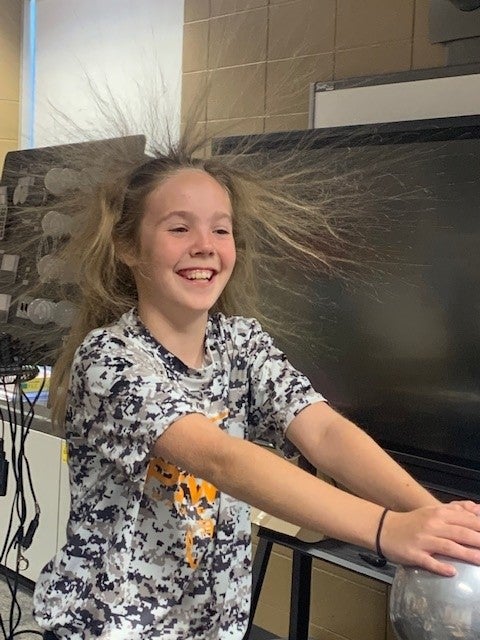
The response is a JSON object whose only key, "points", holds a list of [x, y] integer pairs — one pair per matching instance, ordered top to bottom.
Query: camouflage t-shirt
{"points": [[153, 552]]}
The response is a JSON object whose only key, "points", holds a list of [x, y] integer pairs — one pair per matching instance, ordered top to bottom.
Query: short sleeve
{"points": [[278, 392], [121, 404]]}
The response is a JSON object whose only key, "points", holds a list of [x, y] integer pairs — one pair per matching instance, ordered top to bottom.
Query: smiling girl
{"points": [[164, 387]]}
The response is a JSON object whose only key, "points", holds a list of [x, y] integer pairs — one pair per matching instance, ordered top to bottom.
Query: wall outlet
{"points": [[22, 307]]}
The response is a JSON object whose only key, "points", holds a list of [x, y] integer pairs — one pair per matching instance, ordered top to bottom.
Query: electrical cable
{"points": [[20, 411]]}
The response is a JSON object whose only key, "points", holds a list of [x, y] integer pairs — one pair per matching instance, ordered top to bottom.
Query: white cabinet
{"points": [[48, 469]]}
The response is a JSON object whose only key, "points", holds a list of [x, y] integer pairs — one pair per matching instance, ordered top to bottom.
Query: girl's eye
{"points": [[179, 229], [223, 231]]}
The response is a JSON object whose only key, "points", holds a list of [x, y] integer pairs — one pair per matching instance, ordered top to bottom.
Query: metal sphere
{"points": [[426, 606]]}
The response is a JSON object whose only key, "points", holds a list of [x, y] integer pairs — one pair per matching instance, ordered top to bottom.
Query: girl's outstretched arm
{"points": [[344, 452], [257, 476]]}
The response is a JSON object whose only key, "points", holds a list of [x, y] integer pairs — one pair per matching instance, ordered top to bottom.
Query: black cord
{"points": [[20, 415], [18, 502], [10, 540]]}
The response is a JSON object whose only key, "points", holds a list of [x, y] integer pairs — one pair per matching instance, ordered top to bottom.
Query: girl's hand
{"points": [[469, 505], [416, 537]]}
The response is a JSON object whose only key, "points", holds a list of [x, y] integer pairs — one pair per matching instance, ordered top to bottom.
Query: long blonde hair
{"points": [[284, 215]]}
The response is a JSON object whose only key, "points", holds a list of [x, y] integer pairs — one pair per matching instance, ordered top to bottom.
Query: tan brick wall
{"points": [[10, 46], [261, 55]]}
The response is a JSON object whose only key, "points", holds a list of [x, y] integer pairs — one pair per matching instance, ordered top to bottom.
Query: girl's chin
{"points": [[204, 306]]}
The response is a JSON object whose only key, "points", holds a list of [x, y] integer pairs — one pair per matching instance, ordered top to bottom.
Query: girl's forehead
{"points": [[190, 176], [192, 188]]}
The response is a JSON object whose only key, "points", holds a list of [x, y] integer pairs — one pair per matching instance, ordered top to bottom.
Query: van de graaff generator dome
{"points": [[426, 606]]}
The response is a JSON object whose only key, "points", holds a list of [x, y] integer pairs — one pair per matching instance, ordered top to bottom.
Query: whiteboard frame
{"points": [[396, 97]]}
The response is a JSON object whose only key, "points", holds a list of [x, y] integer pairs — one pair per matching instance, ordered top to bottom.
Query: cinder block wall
{"points": [[10, 48], [261, 55], [259, 58]]}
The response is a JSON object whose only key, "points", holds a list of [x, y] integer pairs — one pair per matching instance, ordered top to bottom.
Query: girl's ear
{"points": [[126, 253]]}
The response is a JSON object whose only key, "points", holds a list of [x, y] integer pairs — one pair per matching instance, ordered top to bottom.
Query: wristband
{"points": [[379, 533]]}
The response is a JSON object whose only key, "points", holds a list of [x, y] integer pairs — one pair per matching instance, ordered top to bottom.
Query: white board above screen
{"points": [[362, 101]]}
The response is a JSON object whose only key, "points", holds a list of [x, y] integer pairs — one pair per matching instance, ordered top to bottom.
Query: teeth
{"points": [[199, 274]]}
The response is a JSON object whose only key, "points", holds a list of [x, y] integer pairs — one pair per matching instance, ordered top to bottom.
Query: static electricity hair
{"points": [[284, 216]]}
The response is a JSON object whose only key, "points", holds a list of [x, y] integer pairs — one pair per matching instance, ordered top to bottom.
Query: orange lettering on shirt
{"points": [[166, 473], [190, 492], [191, 559]]}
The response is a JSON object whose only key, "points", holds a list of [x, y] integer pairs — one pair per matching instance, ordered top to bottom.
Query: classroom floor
{"points": [[24, 597], [27, 622]]}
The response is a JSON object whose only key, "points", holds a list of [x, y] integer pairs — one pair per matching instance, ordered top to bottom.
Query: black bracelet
{"points": [[379, 533]]}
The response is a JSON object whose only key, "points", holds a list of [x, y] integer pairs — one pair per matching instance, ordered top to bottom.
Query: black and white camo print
{"points": [[151, 551]]}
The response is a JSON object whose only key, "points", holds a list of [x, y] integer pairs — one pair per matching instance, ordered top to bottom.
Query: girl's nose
{"points": [[202, 244]]}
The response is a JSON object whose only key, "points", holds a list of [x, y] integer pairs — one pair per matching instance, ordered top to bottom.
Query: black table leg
{"points": [[259, 567], [300, 596]]}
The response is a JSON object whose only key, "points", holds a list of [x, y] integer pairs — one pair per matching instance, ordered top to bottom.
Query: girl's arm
{"points": [[344, 452], [257, 476]]}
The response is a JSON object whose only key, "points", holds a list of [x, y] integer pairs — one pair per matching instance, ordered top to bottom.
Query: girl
{"points": [[167, 392]]}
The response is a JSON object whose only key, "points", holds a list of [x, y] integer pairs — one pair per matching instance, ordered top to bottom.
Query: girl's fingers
{"points": [[467, 505], [454, 514], [430, 537], [440, 560], [441, 567]]}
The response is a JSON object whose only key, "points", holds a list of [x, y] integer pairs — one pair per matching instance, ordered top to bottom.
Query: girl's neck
{"points": [[182, 336]]}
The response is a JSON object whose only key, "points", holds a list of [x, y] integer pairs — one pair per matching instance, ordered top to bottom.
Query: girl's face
{"points": [[186, 248]]}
